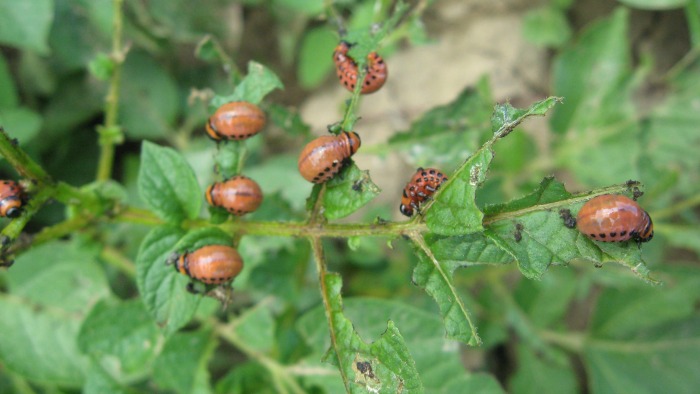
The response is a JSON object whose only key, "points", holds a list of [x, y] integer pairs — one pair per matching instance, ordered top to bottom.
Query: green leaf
{"points": [[655, 4], [308, 7], [26, 24], [547, 27], [102, 66], [312, 68], [589, 71], [259, 81], [8, 91], [149, 98], [506, 118], [288, 119], [21, 122], [445, 133], [670, 139], [228, 156], [280, 174], [167, 183], [347, 192], [454, 210], [533, 232], [201, 237], [466, 250], [46, 276], [435, 278], [163, 292], [547, 301], [621, 313], [256, 328], [123, 331], [627, 343], [39, 344], [437, 359], [182, 365], [384, 366], [536, 374], [247, 377], [100, 382]]}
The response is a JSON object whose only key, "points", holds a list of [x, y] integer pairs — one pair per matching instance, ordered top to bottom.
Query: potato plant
{"points": [[485, 288]]}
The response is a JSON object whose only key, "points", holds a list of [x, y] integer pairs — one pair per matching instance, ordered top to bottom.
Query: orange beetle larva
{"points": [[347, 71], [237, 120], [323, 157], [422, 185], [238, 195], [11, 199], [614, 218], [211, 264]]}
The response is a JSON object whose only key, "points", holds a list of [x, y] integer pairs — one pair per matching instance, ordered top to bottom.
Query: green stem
{"points": [[110, 134], [17, 158], [676, 208], [15, 227], [116, 259], [321, 268], [573, 342], [282, 378]]}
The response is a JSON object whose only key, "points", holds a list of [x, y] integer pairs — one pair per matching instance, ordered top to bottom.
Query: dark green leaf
{"points": [[26, 24], [259, 81], [8, 91], [149, 99], [446, 133], [167, 183], [549, 191], [347, 192], [436, 278], [162, 290], [123, 331], [182, 365], [248, 377]]}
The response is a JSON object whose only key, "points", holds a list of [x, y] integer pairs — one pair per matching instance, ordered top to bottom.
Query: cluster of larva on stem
{"points": [[239, 195]]}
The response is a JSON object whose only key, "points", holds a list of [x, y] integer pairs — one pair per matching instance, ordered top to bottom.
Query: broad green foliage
{"points": [[26, 24], [167, 184], [350, 190], [162, 290], [338, 293], [384, 366]]}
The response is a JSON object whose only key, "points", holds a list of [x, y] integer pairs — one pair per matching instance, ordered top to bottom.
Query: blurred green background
{"points": [[71, 319]]}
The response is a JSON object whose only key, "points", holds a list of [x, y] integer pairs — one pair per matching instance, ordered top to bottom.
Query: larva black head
{"points": [[407, 210], [14, 212]]}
